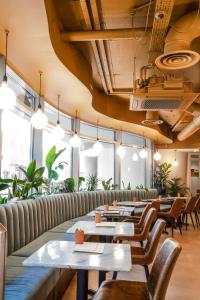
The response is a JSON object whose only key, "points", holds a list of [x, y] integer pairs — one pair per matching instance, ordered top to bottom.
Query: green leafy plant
{"points": [[51, 158], [161, 177], [80, 182], [92, 182], [69, 184], [107, 184], [175, 186], [128, 187], [141, 187]]}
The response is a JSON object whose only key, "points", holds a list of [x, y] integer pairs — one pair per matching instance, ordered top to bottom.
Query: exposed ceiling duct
{"points": [[177, 50], [152, 118], [190, 129]]}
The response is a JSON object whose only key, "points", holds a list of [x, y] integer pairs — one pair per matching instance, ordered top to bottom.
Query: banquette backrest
{"points": [[26, 220]]}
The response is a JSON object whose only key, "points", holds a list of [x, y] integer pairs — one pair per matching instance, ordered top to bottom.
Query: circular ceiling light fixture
{"points": [[7, 96], [39, 119], [58, 132], [143, 153]]}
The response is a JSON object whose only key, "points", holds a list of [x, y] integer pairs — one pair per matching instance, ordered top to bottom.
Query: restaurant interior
{"points": [[99, 149]]}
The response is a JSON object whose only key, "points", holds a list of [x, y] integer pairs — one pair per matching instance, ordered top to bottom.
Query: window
{"points": [[16, 142], [48, 142], [101, 165], [132, 171]]}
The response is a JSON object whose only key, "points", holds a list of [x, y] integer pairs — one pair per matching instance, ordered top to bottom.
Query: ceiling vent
{"points": [[177, 53], [155, 103], [152, 119]]}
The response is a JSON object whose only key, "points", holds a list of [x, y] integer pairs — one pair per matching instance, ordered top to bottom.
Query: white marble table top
{"points": [[164, 199], [131, 204], [117, 208], [89, 227], [61, 254]]}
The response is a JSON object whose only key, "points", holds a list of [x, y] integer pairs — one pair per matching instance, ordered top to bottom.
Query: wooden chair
{"points": [[189, 210], [174, 214], [139, 220], [141, 235], [3, 252], [156, 286]]}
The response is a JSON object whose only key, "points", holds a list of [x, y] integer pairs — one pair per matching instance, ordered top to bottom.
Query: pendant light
{"points": [[7, 96], [39, 119], [58, 132], [75, 140], [97, 147], [121, 150], [143, 153], [157, 156], [135, 157], [175, 162]]}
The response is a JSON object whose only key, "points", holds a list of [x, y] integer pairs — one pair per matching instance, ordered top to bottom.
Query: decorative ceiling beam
{"points": [[99, 35]]}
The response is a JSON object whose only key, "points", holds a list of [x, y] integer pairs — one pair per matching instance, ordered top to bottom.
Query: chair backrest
{"points": [[156, 204], [191, 205], [197, 205], [177, 207], [143, 216], [150, 217], [153, 240], [3, 252], [162, 269]]}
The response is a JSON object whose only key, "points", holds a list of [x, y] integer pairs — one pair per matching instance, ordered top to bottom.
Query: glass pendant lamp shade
{"points": [[7, 96], [39, 119], [58, 132], [75, 141], [97, 147], [121, 151], [143, 153], [157, 156], [135, 157], [175, 162]]}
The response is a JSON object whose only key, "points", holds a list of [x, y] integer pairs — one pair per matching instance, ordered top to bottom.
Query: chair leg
{"points": [[196, 218], [192, 221], [186, 222], [179, 225], [172, 226], [141, 243], [146, 268], [114, 277]]}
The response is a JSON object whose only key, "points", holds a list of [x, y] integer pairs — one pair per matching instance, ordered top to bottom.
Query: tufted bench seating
{"points": [[31, 223]]}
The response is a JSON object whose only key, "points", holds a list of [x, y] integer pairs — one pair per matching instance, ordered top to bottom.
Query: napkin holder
{"points": [[178, 195], [160, 197], [134, 199], [115, 203], [106, 208], [97, 217], [79, 236]]}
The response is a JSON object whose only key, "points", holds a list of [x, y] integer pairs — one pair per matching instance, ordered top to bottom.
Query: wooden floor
{"points": [[185, 281]]}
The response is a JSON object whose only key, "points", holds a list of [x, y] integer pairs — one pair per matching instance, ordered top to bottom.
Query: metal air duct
{"points": [[177, 54], [190, 129]]}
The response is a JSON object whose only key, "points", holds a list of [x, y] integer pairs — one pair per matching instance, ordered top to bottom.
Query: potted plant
{"points": [[161, 177], [92, 182], [175, 186]]}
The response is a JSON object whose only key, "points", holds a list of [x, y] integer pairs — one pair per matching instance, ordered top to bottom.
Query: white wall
{"points": [[182, 158]]}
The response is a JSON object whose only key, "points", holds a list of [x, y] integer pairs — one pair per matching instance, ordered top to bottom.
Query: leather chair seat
{"points": [[23, 283], [122, 290]]}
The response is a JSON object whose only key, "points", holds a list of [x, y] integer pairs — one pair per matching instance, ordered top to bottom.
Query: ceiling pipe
{"points": [[98, 35], [177, 54], [190, 129]]}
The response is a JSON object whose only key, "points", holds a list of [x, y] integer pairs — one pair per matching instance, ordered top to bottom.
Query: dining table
{"points": [[102, 257]]}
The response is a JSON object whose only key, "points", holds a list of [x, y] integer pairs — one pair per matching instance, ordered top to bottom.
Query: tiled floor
{"points": [[185, 281]]}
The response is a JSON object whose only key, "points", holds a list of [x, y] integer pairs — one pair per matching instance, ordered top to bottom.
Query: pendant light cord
{"points": [[5, 76], [39, 105], [58, 121], [97, 130]]}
